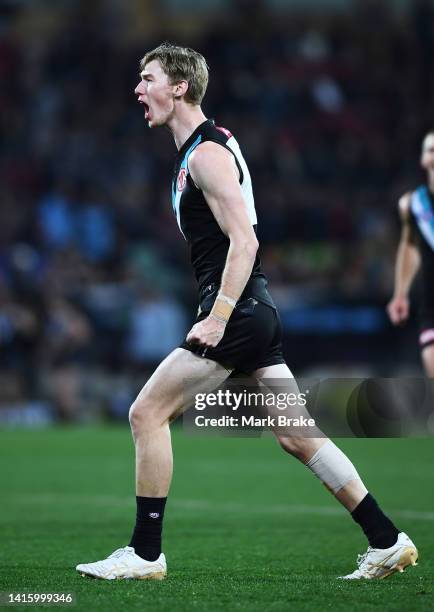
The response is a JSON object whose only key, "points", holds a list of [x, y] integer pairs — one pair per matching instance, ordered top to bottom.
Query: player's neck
{"points": [[182, 125], [431, 182]]}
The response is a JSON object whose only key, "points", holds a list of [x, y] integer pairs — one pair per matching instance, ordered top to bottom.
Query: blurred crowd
{"points": [[95, 286]]}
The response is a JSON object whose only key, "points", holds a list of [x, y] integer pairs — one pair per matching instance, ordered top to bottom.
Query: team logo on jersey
{"points": [[182, 179]]}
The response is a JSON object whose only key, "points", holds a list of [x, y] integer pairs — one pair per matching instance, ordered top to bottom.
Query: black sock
{"points": [[379, 529], [146, 538]]}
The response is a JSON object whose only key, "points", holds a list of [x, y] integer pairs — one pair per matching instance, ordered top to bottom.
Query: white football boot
{"points": [[380, 563], [124, 564]]}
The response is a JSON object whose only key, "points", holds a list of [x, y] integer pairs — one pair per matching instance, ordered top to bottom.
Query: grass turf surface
{"points": [[247, 527]]}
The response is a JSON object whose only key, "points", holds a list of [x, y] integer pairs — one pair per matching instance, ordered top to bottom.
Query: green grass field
{"points": [[247, 527]]}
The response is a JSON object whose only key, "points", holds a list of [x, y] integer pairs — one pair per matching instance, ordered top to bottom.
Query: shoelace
{"points": [[118, 553], [362, 558]]}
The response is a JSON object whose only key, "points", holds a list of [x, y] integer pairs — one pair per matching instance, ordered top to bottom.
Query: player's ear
{"points": [[180, 89], [422, 161]]}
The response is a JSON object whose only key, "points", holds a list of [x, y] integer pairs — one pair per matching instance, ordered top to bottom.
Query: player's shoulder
{"points": [[215, 132], [211, 153], [206, 154], [406, 200], [404, 205]]}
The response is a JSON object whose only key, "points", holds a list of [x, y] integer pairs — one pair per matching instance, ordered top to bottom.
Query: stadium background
{"points": [[329, 101]]}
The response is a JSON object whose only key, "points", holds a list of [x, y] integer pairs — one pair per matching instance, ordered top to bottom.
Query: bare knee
{"points": [[143, 415], [136, 417], [301, 448]]}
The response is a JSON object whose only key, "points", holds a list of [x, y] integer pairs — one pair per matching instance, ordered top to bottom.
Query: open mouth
{"points": [[145, 108]]}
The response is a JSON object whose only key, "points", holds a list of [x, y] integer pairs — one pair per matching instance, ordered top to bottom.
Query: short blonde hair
{"points": [[181, 64]]}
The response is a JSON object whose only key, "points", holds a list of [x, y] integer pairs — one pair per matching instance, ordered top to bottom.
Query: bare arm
{"points": [[214, 171], [406, 267]]}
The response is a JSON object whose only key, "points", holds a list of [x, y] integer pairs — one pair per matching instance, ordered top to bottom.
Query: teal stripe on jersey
{"points": [[176, 196], [424, 214]]}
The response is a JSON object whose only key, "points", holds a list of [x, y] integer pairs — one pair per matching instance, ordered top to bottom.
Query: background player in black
{"points": [[416, 252], [239, 314]]}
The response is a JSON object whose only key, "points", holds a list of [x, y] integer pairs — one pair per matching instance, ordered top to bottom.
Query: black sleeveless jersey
{"points": [[422, 218], [208, 244]]}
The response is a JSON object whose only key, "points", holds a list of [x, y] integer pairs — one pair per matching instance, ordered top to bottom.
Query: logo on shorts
{"points": [[182, 179], [154, 514]]}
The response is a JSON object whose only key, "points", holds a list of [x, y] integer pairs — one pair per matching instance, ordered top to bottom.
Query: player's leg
{"points": [[428, 359], [169, 391], [342, 478], [392, 550]]}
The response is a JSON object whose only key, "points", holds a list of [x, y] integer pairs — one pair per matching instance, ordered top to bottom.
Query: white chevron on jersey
{"points": [[246, 185], [176, 200]]}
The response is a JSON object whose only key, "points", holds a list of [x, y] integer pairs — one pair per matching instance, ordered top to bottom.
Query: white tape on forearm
{"points": [[228, 300]]}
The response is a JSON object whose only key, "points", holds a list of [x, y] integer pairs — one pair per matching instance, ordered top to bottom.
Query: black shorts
{"points": [[426, 330], [252, 338]]}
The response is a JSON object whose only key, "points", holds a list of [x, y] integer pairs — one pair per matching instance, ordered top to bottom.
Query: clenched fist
{"points": [[398, 309], [208, 332]]}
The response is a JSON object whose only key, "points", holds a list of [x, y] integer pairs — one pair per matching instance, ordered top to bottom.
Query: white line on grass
{"points": [[201, 504]]}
